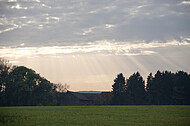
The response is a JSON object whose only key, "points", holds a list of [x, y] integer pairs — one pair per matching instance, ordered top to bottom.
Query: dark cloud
{"points": [[58, 21]]}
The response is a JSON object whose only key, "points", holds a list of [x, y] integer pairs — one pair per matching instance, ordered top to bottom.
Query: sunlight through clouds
{"points": [[99, 47]]}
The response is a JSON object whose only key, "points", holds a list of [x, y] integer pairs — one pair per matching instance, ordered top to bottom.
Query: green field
{"points": [[96, 115]]}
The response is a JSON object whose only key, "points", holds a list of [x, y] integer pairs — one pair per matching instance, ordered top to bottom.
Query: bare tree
{"points": [[62, 87]]}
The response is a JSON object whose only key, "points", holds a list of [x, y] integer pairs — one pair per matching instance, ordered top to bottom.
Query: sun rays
{"points": [[93, 66]]}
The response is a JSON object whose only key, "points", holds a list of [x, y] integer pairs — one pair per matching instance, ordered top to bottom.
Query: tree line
{"points": [[21, 86], [164, 88]]}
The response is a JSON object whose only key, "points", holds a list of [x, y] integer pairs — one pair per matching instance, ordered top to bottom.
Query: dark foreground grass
{"points": [[96, 115]]}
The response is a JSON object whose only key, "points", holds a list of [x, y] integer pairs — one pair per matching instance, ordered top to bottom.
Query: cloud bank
{"points": [[58, 22], [99, 47]]}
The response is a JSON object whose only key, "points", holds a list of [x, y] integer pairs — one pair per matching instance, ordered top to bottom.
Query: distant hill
{"points": [[96, 92]]}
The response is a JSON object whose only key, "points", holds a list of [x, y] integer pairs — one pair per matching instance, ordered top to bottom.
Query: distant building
{"points": [[75, 98]]}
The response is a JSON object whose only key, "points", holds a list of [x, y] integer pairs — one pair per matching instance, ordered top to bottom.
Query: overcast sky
{"points": [[86, 43]]}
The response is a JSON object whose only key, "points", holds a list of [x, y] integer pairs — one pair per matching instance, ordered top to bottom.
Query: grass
{"points": [[96, 116]]}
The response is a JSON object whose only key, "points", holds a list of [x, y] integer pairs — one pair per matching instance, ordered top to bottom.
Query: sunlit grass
{"points": [[96, 115]]}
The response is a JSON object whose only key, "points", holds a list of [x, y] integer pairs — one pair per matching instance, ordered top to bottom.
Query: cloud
{"points": [[12, 0], [185, 3], [17, 6], [85, 21], [109, 26], [11, 28], [89, 30], [22, 44], [99, 47]]}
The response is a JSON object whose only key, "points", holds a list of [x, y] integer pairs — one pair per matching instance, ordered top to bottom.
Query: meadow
{"points": [[95, 116]]}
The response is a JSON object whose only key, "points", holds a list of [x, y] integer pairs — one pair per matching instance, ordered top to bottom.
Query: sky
{"points": [[86, 43]]}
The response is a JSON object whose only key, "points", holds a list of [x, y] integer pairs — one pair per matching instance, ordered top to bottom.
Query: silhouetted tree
{"points": [[5, 69], [149, 81], [22, 86], [25, 87], [59, 87], [148, 87], [181, 87], [160, 88], [135, 89], [118, 90], [43, 93], [60, 93]]}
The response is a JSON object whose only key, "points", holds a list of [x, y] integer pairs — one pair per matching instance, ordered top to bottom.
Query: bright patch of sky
{"points": [[98, 36], [99, 47]]}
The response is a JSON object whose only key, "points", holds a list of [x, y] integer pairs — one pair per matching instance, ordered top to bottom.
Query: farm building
{"points": [[75, 98]]}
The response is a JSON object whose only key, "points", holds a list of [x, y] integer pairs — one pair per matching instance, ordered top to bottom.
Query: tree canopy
{"points": [[23, 86], [164, 88], [118, 89], [135, 90]]}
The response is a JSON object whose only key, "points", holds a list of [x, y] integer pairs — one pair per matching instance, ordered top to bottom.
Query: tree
{"points": [[5, 69], [149, 81], [20, 87], [25, 87], [59, 87], [148, 87], [181, 87], [160, 89], [118, 90], [135, 90], [153, 90], [43, 92], [60, 93]]}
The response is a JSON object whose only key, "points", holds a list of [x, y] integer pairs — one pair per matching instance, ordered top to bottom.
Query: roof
{"points": [[85, 96]]}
